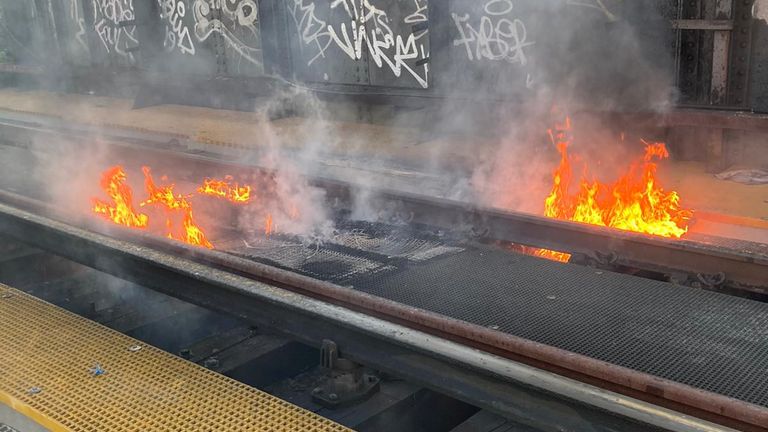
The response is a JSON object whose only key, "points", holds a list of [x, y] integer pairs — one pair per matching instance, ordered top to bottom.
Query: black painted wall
{"points": [[613, 54]]}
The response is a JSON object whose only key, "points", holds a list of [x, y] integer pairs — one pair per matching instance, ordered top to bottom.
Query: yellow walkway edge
{"points": [[70, 374]]}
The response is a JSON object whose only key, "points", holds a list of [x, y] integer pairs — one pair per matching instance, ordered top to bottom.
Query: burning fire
{"points": [[226, 189], [635, 202], [175, 208], [121, 212], [268, 225]]}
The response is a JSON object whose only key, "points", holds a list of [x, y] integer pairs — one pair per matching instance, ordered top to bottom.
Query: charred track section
{"points": [[699, 260], [370, 305]]}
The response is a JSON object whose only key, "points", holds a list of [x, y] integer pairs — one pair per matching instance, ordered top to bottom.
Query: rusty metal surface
{"points": [[635, 384], [538, 398]]}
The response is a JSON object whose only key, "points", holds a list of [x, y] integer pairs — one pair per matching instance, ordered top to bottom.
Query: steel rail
{"points": [[744, 268], [635, 384], [527, 394]]}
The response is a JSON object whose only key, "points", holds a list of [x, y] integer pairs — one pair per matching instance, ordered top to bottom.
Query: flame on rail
{"points": [[226, 189], [635, 202], [175, 207], [175, 210], [120, 211]]}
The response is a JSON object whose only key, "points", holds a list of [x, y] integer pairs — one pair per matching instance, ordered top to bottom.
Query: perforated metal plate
{"points": [[68, 373]]}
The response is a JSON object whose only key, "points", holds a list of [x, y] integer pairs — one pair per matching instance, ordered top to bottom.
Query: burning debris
{"points": [[226, 189], [635, 202], [163, 203], [175, 206], [120, 211]]}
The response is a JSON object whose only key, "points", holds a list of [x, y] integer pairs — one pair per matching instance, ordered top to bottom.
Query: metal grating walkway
{"points": [[704, 339], [70, 374]]}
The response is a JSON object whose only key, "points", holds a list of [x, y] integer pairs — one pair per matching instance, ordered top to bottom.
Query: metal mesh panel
{"points": [[394, 244], [358, 250], [311, 260], [703, 339], [707, 340], [48, 359]]}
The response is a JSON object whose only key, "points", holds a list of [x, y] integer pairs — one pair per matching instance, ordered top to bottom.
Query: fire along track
{"points": [[711, 262], [380, 324], [395, 337]]}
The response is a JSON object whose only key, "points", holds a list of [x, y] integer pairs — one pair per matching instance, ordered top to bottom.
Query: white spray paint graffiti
{"points": [[419, 15], [75, 16], [109, 17], [236, 20], [370, 28], [313, 30], [176, 32], [498, 36]]}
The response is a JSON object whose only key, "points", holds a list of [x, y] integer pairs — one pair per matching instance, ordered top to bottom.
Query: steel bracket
{"points": [[604, 259], [711, 281], [347, 382]]}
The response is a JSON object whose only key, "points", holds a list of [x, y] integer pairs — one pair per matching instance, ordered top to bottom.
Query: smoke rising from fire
{"points": [[617, 62], [483, 140]]}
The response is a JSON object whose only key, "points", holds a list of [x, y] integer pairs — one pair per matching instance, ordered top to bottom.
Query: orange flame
{"points": [[225, 189], [635, 202], [175, 204], [177, 208], [121, 211], [269, 225]]}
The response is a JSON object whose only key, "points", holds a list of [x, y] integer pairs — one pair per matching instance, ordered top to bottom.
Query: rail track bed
{"points": [[436, 296]]}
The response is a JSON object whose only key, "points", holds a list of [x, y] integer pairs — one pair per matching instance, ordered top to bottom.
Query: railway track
{"points": [[711, 262], [449, 319], [222, 343], [530, 396]]}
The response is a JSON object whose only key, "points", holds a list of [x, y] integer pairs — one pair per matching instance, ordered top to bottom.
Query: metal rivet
{"points": [[134, 348], [34, 390], [333, 397]]}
